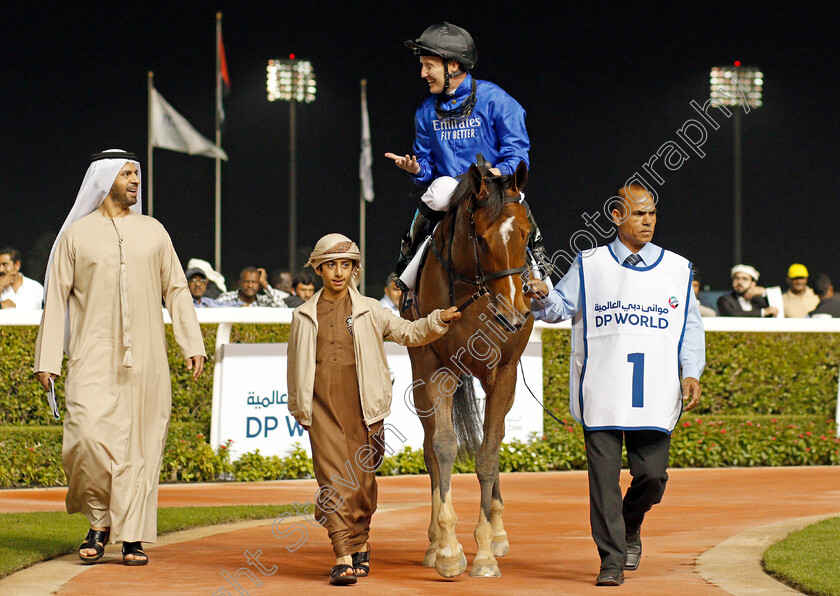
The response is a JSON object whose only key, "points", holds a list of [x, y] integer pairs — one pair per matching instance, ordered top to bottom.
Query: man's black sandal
{"points": [[96, 540], [136, 549], [359, 560], [337, 579]]}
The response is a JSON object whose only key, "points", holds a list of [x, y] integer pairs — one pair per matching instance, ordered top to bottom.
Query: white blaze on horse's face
{"points": [[505, 230]]}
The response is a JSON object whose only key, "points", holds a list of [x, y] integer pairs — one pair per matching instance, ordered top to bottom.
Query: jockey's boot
{"points": [[535, 244], [408, 247]]}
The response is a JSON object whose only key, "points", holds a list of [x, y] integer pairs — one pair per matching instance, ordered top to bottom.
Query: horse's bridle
{"points": [[481, 278]]}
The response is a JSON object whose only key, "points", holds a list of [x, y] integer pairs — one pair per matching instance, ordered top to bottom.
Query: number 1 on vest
{"points": [[637, 359]]}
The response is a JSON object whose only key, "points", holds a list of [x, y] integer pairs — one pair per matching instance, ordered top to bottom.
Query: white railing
{"points": [[284, 315]]}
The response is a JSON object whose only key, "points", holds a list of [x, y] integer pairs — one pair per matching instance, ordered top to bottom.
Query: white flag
{"points": [[170, 130], [366, 158]]}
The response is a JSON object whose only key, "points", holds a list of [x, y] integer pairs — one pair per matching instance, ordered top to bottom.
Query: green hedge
{"points": [[746, 374], [768, 399], [31, 456]]}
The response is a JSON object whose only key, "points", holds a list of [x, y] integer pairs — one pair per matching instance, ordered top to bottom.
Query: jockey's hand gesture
{"points": [[407, 163]]}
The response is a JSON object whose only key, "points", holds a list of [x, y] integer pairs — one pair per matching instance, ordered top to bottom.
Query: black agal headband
{"points": [[113, 154]]}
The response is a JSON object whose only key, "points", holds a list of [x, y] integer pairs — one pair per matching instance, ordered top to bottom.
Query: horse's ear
{"points": [[520, 176], [475, 180]]}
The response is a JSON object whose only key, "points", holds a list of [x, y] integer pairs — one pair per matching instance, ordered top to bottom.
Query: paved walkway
{"points": [[546, 518]]}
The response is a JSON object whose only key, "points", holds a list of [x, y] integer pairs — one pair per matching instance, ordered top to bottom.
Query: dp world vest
{"points": [[626, 342]]}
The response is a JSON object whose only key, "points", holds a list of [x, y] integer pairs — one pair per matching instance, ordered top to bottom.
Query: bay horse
{"points": [[477, 260]]}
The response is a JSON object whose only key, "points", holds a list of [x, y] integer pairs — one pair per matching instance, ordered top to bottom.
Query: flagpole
{"points": [[149, 200], [363, 208], [218, 229]]}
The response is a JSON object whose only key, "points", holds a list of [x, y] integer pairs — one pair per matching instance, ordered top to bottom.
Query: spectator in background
{"points": [[281, 279], [5, 280], [215, 280], [197, 283], [303, 287], [18, 291], [253, 291], [746, 298], [391, 299], [799, 300], [293, 301], [829, 303], [705, 311]]}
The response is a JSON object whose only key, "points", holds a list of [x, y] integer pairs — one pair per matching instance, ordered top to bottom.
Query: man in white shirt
{"points": [[18, 290], [391, 297]]}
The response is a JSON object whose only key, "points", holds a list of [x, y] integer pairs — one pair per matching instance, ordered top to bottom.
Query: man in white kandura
{"points": [[109, 269]]}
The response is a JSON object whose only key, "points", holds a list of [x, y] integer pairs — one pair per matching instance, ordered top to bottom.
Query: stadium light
{"points": [[291, 80], [737, 86]]}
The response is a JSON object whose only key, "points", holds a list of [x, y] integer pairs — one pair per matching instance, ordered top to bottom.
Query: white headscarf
{"points": [[95, 187], [748, 269]]}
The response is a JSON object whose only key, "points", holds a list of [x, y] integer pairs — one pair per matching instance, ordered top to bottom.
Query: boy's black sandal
{"points": [[361, 563], [337, 579]]}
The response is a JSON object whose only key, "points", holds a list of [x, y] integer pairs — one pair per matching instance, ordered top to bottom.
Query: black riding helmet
{"points": [[446, 41]]}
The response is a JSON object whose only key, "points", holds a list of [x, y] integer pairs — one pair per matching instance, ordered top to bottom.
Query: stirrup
{"points": [[401, 285]]}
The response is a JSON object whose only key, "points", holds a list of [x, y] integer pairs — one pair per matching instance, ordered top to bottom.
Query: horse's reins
{"points": [[481, 278]]}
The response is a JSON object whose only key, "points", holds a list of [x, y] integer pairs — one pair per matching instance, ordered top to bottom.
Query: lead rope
{"points": [[128, 359]]}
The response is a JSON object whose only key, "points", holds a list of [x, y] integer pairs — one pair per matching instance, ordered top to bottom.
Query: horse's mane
{"points": [[494, 202]]}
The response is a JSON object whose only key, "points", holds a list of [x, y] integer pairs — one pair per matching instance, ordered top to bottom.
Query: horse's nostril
{"points": [[507, 324]]}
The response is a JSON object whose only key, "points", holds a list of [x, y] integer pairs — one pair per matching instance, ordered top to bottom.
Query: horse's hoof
{"points": [[499, 545], [429, 559], [451, 566], [485, 568]]}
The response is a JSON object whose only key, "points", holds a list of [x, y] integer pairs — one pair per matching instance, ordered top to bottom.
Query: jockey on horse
{"points": [[462, 117]]}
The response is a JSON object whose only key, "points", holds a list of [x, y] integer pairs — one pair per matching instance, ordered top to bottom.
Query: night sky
{"points": [[603, 89]]}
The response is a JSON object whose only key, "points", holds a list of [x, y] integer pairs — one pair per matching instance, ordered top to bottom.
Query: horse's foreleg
{"points": [[425, 410], [486, 468], [434, 476], [489, 532], [499, 543], [449, 558]]}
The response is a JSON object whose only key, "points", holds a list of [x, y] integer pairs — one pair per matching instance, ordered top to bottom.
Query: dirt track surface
{"points": [[546, 518]]}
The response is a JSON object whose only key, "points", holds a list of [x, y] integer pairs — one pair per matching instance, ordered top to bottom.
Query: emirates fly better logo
{"points": [[673, 302]]}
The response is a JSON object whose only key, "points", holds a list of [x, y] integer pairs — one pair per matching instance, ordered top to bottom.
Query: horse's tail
{"points": [[466, 418]]}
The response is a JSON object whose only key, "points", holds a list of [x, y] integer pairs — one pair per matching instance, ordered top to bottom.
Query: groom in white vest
{"points": [[636, 331]]}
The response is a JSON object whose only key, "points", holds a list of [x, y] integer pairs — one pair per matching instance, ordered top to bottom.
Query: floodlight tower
{"points": [[291, 80], [739, 87]]}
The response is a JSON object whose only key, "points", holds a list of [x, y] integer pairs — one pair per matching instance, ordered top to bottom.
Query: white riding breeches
{"points": [[439, 194]]}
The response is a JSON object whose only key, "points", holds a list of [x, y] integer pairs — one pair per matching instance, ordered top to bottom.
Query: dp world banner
{"points": [[252, 409]]}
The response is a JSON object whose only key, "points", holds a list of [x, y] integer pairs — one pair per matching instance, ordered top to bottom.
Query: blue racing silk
{"points": [[495, 128]]}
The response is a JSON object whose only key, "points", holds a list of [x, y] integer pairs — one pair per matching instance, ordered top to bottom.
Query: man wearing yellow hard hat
{"points": [[799, 300]]}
